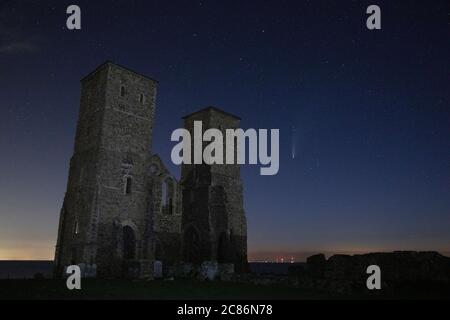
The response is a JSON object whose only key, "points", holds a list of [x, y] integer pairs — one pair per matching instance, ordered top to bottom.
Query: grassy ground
{"points": [[128, 289], [191, 290]]}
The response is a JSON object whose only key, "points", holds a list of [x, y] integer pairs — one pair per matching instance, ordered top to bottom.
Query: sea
{"points": [[25, 269]]}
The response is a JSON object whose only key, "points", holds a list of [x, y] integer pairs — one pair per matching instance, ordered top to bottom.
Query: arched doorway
{"points": [[129, 243], [222, 248], [159, 252]]}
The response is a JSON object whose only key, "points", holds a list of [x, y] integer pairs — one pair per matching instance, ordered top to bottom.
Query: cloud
{"points": [[14, 38], [18, 47]]}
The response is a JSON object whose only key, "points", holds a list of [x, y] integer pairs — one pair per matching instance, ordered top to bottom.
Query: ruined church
{"points": [[123, 212]]}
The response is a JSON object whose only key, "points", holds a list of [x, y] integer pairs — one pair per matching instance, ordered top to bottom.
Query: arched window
{"points": [[122, 91], [141, 98], [154, 169], [127, 188], [167, 192], [164, 194], [76, 228], [129, 243], [191, 246], [222, 248], [159, 254]]}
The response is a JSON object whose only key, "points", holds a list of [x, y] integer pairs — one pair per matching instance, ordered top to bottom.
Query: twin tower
{"points": [[123, 212]]}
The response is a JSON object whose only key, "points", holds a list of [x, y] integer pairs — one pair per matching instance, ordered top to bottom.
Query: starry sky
{"points": [[367, 112]]}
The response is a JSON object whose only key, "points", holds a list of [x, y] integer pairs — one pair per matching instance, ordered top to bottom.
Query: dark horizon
{"points": [[273, 257]]}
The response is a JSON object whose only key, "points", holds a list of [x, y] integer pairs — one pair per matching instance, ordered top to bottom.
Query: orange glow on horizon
{"points": [[27, 253]]}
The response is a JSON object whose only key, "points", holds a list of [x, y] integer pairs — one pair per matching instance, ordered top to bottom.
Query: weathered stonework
{"points": [[107, 199], [123, 210], [167, 210], [214, 223]]}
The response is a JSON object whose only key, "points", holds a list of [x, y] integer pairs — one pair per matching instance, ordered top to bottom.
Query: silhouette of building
{"points": [[122, 209]]}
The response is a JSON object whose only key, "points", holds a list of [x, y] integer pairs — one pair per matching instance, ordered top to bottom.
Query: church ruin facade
{"points": [[123, 211]]}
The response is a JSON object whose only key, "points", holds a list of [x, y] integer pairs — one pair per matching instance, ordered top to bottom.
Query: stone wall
{"points": [[108, 183], [122, 209], [167, 212], [214, 223], [347, 274]]}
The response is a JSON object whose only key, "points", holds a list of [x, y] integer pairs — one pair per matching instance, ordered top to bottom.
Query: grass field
{"points": [[93, 289], [128, 289]]}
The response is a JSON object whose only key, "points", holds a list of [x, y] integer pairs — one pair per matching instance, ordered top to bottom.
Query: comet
{"points": [[294, 143]]}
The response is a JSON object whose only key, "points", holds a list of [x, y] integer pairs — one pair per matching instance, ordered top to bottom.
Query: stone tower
{"points": [[105, 218], [213, 224]]}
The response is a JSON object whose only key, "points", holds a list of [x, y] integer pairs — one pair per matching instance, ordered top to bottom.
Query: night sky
{"points": [[367, 112]]}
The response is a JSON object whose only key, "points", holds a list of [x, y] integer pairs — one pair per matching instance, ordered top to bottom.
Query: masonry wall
{"points": [[113, 146], [122, 208], [167, 213], [214, 223], [73, 236]]}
